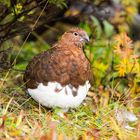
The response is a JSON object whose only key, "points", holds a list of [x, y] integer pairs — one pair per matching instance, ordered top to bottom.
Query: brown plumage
{"points": [[64, 63], [60, 76]]}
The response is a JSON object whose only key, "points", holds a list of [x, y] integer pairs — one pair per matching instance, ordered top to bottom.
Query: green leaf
{"points": [[59, 3], [97, 27], [108, 28]]}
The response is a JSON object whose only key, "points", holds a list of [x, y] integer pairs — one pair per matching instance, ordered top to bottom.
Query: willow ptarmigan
{"points": [[61, 76]]}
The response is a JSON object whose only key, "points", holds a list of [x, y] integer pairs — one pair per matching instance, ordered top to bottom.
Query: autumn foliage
{"points": [[111, 110]]}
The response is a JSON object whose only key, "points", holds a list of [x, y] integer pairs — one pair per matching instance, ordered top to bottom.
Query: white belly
{"points": [[47, 96]]}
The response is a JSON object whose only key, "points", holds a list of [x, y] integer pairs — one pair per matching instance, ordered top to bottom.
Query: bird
{"points": [[61, 76]]}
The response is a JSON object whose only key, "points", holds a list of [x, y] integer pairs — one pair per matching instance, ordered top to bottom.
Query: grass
{"points": [[23, 118]]}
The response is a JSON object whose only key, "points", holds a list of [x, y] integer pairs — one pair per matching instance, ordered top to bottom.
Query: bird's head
{"points": [[75, 35]]}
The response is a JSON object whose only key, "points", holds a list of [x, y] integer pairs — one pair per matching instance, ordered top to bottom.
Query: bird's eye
{"points": [[75, 33]]}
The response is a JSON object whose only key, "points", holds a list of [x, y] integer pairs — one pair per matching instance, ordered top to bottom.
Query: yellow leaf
{"points": [[131, 9], [123, 46], [121, 70], [60, 137]]}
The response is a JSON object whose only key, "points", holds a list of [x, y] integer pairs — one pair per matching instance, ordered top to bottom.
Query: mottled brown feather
{"points": [[65, 63]]}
